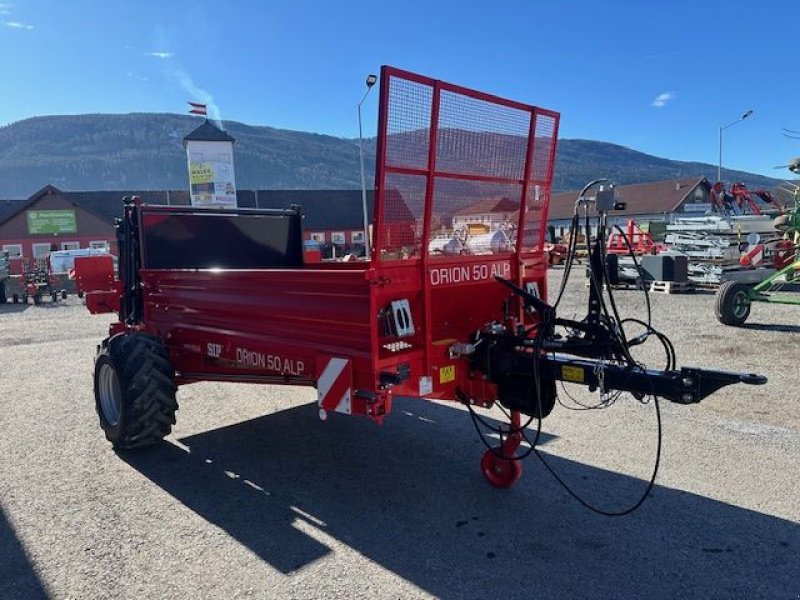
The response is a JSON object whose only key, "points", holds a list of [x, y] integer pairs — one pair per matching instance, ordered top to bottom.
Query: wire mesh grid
{"points": [[408, 124], [480, 137], [544, 138], [477, 139], [538, 199], [476, 209], [403, 216]]}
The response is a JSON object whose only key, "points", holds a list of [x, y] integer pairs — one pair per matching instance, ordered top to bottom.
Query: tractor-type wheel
{"points": [[63, 294], [732, 305], [134, 390], [500, 472]]}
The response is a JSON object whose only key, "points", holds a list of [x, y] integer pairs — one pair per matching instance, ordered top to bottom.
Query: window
{"points": [[318, 236], [337, 237], [357, 237], [70, 245], [99, 245], [14, 250], [41, 250]]}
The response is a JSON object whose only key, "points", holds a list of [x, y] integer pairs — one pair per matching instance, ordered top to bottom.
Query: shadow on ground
{"points": [[10, 307], [777, 327], [409, 496], [18, 578]]}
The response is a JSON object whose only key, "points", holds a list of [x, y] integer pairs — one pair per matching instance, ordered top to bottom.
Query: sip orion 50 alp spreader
{"points": [[224, 295]]}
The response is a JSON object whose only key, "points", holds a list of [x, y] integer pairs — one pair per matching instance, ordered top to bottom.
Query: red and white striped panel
{"points": [[334, 384]]}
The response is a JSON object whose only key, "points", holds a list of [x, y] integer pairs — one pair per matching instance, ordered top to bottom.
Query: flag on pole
{"points": [[197, 108]]}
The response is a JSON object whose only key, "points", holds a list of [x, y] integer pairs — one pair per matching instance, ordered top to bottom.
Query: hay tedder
{"points": [[209, 294], [734, 299]]}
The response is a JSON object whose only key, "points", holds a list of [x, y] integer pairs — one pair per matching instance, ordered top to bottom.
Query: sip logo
{"points": [[214, 350]]}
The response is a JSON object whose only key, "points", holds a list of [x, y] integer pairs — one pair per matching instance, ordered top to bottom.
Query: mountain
{"points": [[144, 151]]}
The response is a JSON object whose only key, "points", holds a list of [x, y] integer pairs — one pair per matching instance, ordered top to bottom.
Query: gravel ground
{"points": [[253, 496]]}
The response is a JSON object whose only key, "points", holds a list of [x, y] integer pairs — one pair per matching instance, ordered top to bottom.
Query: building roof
{"points": [[208, 132], [656, 197], [24, 204], [495, 204], [8, 207], [323, 209]]}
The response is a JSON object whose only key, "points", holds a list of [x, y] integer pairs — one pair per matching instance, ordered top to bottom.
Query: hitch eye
{"points": [[401, 314]]}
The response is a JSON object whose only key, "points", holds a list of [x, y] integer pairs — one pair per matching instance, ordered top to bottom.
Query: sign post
{"points": [[209, 151]]}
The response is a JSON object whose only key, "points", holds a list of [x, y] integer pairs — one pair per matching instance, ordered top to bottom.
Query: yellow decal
{"points": [[201, 173], [447, 374], [572, 374]]}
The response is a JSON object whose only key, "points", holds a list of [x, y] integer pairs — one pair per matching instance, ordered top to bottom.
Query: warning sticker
{"points": [[569, 373], [447, 374]]}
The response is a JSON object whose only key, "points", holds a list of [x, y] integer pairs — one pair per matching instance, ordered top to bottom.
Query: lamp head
{"points": [[371, 79], [747, 114]]}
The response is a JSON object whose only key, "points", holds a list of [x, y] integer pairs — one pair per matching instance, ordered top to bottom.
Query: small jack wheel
{"points": [[500, 472]]}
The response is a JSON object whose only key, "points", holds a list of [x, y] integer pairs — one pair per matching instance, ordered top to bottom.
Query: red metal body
{"points": [[443, 152], [740, 200], [641, 242], [93, 273]]}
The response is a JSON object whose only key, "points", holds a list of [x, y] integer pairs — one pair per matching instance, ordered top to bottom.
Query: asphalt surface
{"points": [[253, 496]]}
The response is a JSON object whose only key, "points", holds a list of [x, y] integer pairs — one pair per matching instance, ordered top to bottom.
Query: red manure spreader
{"points": [[208, 294]]}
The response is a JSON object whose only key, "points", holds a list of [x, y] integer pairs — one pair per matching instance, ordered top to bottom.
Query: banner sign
{"points": [[211, 177], [44, 222]]}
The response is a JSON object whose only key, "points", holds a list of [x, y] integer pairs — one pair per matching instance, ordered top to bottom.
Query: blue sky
{"points": [[301, 65]]}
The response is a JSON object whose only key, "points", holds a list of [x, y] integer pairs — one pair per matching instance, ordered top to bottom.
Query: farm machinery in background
{"points": [[736, 240], [58, 274], [4, 276], [35, 284], [208, 294], [734, 298]]}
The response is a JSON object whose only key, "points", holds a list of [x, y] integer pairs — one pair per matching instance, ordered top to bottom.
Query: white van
{"points": [[61, 261]]}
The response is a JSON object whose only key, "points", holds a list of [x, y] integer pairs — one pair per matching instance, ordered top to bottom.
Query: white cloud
{"points": [[5, 9], [17, 25], [160, 54], [662, 99]]}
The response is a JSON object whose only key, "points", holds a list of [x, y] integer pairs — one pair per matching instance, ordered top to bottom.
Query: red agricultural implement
{"points": [[741, 201], [634, 240], [92, 273], [225, 295]]}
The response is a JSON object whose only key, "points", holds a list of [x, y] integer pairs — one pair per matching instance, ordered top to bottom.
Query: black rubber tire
{"points": [[63, 294], [80, 294], [3, 297], [54, 297], [15, 298], [24, 298], [37, 298], [728, 304], [147, 390]]}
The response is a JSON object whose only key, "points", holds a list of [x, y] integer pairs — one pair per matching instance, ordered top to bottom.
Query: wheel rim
{"points": [[740, 305], [110, 394]]}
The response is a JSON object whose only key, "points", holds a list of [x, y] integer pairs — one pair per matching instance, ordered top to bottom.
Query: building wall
{"points": [[90, 228]]}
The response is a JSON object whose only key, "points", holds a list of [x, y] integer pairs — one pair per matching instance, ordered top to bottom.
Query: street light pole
{"points": [[371, 79], [721, 129]]}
